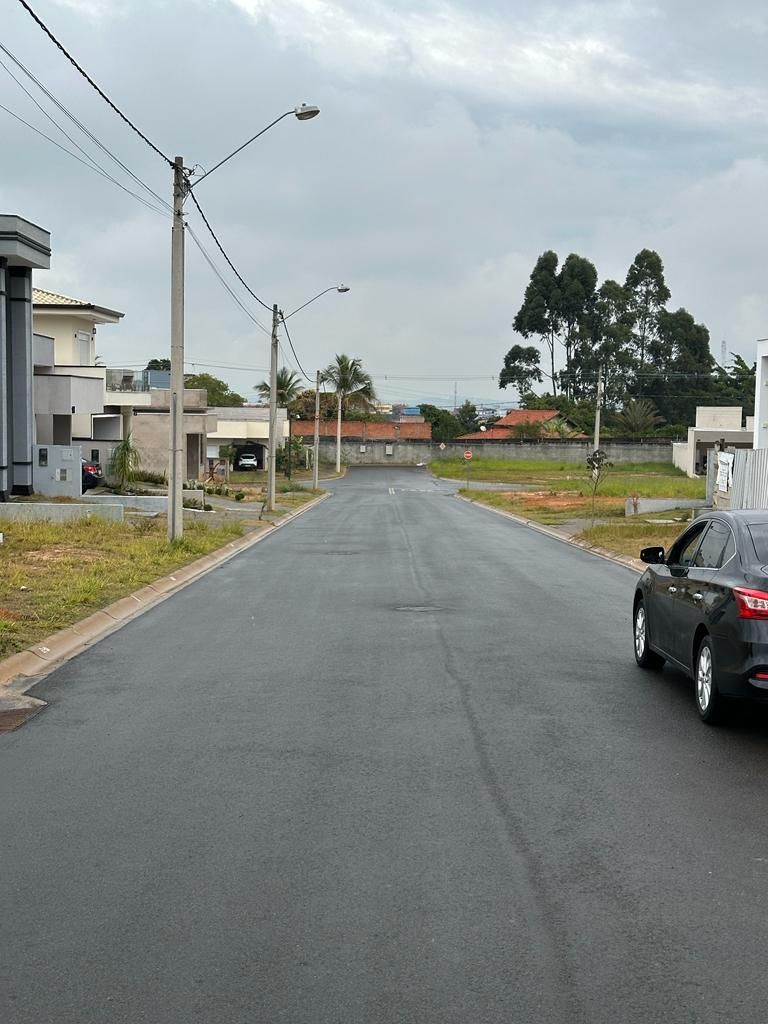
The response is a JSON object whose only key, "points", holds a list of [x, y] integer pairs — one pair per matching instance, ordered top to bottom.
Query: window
{"points": [[84, 347], [759, 534], [716, 547], [685, 548]]}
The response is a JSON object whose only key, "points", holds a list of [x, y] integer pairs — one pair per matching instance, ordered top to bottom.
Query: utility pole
{"points": [[598, 403], [176, 405], [272, 412], [316, 446]]}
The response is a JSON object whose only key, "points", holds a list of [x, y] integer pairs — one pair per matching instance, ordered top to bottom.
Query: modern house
{"points": [[24, 247], [78, 402], [715, 425], [246, 429]]}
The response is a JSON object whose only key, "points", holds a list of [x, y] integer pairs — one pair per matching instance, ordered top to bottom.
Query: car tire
{"points": [[644, 656], [709, 701]]}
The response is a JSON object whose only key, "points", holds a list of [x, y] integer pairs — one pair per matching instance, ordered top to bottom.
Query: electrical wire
{"points": [[91, 82], [79, 124], [91, 166], [232, 267], [216, 270], [290, 342]]}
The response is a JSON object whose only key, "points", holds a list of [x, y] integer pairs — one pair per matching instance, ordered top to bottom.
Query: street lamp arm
{"points": [[240, 148], [334, 288]]}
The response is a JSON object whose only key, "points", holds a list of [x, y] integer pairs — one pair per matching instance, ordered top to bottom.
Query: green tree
{"points": [[576, 285], [648, 295], [539, 315], [605, 344], [159, 364], [521, 368], [735, 384], [352, 386], [288, 387], [219, 394], [303, 405], [466, 417], [638, 418], [444, 424], [125, 463]]}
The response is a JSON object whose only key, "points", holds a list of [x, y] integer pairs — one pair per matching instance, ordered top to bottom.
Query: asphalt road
{"points": [[394, 764]]}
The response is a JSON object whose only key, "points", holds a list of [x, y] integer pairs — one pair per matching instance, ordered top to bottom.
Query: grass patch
{"points": [[648, 480], [629, 536], [53, 574]]}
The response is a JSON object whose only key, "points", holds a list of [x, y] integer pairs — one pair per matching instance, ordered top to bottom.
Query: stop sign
{"points": [[467, 454]]}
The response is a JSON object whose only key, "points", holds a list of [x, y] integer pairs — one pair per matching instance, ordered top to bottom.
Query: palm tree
{"points": [[288, 387], [353, 387], [638, 417], [125, 462]]}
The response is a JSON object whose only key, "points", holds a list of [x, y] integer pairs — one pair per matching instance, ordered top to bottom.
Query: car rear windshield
{"points": [[759, 534]]}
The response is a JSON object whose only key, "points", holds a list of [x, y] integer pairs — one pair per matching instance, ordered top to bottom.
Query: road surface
{"points": [[393, 764]]}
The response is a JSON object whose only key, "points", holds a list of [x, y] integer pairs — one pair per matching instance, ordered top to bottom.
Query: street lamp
{"points": [[182, 186], [278, 316]]}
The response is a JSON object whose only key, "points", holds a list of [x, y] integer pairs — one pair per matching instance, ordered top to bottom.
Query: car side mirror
{"points": [[652, 556]]}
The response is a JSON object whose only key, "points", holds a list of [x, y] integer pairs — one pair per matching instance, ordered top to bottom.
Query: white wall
{"points": [[67, 332], [761, 396], [722, 417]]}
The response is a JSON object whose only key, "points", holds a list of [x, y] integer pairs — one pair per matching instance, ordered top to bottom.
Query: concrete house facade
{"points": [[24, 247]]}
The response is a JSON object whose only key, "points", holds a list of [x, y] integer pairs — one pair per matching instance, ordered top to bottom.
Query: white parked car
{"points": [[247, 461]]}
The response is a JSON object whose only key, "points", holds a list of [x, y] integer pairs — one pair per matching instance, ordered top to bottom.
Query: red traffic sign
{"points": [[467, 455]]}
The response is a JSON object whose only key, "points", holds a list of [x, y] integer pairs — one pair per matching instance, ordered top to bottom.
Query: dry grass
{"points": [[548, 507], [629, 536], [53, 574]]}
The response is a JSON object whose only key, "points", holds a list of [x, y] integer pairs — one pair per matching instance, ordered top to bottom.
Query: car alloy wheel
{"points": [[644, 656], [708, 699]]}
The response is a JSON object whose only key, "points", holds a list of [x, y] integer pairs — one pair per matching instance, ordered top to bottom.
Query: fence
{"points": [[750, 478]]}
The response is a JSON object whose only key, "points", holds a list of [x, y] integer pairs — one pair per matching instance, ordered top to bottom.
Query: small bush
{"points": [[153, 478], [239, 495]]}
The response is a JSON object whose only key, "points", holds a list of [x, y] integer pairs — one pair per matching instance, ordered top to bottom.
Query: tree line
{"points": [[655, 362]]}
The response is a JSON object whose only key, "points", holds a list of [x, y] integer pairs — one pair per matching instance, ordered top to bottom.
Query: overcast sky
{"points": [[457, 141]]}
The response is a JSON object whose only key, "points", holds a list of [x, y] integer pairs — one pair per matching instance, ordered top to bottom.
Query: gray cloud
{"points": [[456, 142]]}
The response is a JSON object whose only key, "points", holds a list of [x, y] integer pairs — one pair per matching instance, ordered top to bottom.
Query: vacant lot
{"points": [[648, 480], [627, 537], [53, 574]]}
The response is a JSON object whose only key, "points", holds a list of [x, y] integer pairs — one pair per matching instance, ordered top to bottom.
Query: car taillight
{"points": [[752, 604]]}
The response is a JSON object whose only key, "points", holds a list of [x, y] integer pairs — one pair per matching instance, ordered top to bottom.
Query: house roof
{"points": [[55, 301], [517, 416]]}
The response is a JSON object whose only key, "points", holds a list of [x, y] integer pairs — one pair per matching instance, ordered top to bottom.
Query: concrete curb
{"points": [[629, 563], [23, 670]]}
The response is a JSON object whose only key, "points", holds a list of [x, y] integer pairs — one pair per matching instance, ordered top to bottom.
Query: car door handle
{"points": [[673, 590], [698, 596]]}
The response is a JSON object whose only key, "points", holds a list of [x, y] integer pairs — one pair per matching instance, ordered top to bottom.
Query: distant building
{"points": [[714, 423]]}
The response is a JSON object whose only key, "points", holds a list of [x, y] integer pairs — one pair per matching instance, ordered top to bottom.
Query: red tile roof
{"points": [[517, 416]]}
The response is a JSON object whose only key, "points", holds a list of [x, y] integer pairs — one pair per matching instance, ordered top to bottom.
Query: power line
{"points": [[91, 82], [79, 124], [91, 166], [232, 267], [218, 273], [288, 336]]}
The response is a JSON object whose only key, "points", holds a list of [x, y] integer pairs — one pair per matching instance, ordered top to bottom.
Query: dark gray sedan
{"points": [[703, 607]]}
